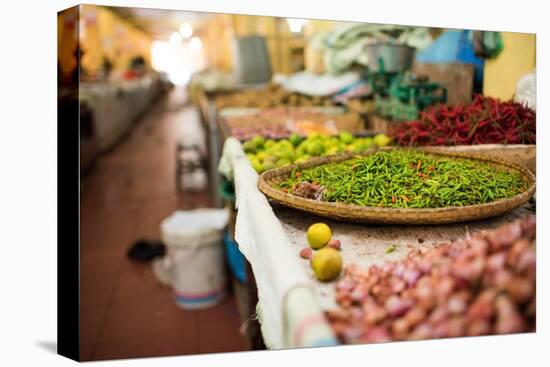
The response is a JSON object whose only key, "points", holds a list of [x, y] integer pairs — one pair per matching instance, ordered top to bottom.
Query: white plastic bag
{"points": [[526, 90]]}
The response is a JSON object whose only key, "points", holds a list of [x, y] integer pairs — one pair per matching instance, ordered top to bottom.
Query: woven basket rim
{"points": [[355, 212]]}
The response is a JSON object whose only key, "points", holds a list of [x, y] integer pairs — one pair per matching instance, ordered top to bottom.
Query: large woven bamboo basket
{"points": [[357, 213]]}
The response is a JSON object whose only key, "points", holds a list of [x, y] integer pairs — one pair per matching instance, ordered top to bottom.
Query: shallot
{"points": [[482, 284]]}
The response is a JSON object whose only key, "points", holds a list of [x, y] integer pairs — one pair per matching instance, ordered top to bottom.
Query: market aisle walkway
{"points": [[125, 312]]}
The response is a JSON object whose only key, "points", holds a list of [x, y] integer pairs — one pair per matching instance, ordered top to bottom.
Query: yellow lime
{"points": [[346, 137], [295, 139], [382, 140], [258, 141], [269, 143], [249, 147], [315, 148], [261, 156], [303, 158], [269, 159], [283, 162], [257, 164], [267, 165], [318, 235], [327, 264]]}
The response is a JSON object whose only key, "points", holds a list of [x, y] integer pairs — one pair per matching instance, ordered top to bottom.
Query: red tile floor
{"points": [[125, 312]]}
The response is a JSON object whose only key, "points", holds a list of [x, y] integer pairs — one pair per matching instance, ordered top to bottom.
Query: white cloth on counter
{"points": [[318, 85], [289, 312]]}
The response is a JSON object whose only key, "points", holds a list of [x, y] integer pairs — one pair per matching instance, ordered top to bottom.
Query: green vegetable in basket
{"points": [[409, 179]]}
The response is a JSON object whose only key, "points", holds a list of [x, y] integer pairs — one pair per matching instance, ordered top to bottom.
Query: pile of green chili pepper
{"points": [[408, 179]]}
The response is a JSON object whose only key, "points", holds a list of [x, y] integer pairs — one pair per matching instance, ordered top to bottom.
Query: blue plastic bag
{"points": [[454, 46], [235, 258]]}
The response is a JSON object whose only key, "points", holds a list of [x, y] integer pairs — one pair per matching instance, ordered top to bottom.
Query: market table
{"points": [[117, 105], [217, 129], [291, 301]]}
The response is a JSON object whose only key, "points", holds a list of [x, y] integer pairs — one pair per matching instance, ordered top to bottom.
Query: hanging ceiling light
{"points": [[295, 24], [186, 30], [175, 38], [195, 43]]}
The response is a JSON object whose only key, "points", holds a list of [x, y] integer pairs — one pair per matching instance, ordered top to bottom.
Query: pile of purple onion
{"points": [[475, 286]]}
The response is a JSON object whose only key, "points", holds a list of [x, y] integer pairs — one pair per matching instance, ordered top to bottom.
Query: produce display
{"points": [[272, 96], [300, 112], [484, 121], [280, 123], [306, 127], [269, 131], [268, 154], [405, 179], [480, 285]]}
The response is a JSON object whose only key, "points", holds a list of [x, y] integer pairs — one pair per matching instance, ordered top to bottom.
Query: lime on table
{"points": [[346, 137], [295, 139], [382, 140], [258, 141], [269, 143], [249, 147], [315, 148], [303, 158], [283, 162], [256, 164], [268, 165], [318, 235], [327, 264]]}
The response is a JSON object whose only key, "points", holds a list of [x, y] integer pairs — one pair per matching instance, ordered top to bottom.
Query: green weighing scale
{"points": [[398, 93]]}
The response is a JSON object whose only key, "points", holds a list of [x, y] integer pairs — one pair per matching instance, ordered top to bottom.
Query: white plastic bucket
{"points": [[195, 252]]}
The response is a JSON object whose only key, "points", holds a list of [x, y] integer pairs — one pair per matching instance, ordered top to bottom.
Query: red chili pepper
{"points": [[485, 120]]}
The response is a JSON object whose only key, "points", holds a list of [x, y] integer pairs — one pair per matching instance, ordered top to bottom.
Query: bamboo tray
{"points": [[522, 154], [357, 213]]}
